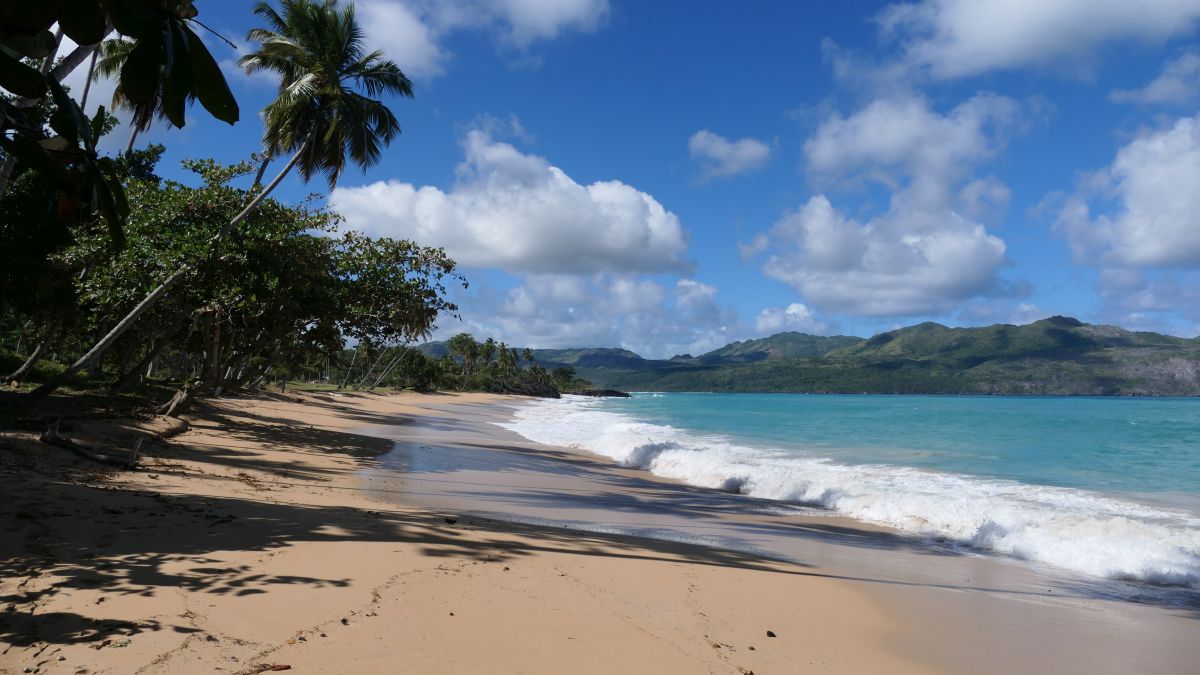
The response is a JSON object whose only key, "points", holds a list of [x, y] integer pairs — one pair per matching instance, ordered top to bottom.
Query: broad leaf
{"points": [[82, 20], [139, 76], [19, 78], [210, 85], [177, 86]]}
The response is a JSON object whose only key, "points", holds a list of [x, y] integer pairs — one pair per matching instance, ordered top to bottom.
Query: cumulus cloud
{"points": [[411, 32], [957, 38], [1178, 83], [902, 133], [719, 157], [984, 197], [518, 212], [1154, 214], [920, 255], [902, 263], [794, 317], [652, 318]]}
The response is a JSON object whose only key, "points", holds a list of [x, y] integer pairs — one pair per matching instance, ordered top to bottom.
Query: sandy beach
{"points": [[407, 533]]}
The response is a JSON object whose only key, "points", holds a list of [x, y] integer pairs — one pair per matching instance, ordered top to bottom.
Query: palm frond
{"points": [[318, 50]]}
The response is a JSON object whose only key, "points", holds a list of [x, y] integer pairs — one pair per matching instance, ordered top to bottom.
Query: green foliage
{"points": [[317, 49], [166, 66], [281, 294], [1056, 356], [493, 366]]}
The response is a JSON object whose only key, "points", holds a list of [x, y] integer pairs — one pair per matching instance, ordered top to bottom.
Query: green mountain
{"points": [[779, 346], [1055, 356]]}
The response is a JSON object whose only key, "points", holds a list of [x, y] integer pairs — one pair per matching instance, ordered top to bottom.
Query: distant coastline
{"points": [[1058, 356]]}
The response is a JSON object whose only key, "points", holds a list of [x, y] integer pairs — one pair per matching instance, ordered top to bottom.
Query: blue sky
{"points": [[672, 176]]}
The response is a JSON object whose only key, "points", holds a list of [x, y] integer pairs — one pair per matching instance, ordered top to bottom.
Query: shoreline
{"points": [[955, 486], [251, 540], [246, 542], [949, 587]]}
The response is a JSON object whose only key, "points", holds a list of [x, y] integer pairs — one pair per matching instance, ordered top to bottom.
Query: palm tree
{"points": [[318, 53], [113, 54], [318, 116], [488, 351]]}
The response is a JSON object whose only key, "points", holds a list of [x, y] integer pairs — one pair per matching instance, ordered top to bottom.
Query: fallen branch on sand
{"points": [[54, 437]]}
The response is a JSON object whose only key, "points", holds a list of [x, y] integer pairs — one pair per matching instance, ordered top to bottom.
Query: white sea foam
{"points": [[1073, 529]]}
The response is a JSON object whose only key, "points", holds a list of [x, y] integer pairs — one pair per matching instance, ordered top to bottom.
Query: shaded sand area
{"points": [[408, 533], [248, 541], [959, 610]]}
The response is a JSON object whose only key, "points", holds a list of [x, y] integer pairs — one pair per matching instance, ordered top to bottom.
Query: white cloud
{"points": [[527, 21], [411, 32], [404, 36], [958, 38], [1178, 83], [902, 133], [719, 156], [984, 197], [522, 214], [1155, 220], [748, 250], [920, 256], [901, 263], [985, 311], [648, 317], [794, 317]]}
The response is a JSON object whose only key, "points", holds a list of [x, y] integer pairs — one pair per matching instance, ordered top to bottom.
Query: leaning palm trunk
{"points": [[87, 84], [133, 134], [262, 169], [96, 352], [139, 371], [386, 371], [20, 373], [346, 376]]}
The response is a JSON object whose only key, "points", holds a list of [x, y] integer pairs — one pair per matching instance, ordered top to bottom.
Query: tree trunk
{"points": [[87, 84], [133, 134], [262, 168], [149, 301], [370, 368], [386, 371], [136, 373], [18, 374], [346, 376], [179, 403]]}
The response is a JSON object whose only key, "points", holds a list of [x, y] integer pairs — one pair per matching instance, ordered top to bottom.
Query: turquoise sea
{"points": [[1101, 486]]}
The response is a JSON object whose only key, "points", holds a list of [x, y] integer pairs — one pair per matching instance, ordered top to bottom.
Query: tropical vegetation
{"points": [[116, 280], [1053, 356]]}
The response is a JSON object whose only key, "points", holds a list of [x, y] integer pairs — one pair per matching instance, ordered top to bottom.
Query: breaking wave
{"points": [[1074, 529]]}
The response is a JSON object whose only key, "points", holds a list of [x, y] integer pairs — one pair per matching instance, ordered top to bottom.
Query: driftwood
{"points": [[180, 402], [178, 425], [54, 437]]}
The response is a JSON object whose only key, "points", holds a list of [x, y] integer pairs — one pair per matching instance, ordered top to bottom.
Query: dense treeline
{"points": [[113, 278], [285, 291], [467, 365]]}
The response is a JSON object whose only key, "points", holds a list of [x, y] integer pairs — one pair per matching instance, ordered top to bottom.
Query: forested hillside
{"points": [[1055, 356]]}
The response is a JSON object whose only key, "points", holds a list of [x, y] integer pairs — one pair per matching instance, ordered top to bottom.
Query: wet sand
{"points": [[408, 533], [249, 542], [963, 611]]}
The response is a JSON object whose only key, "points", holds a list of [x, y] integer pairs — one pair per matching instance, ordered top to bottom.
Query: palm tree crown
{"points": [[317, 50]]}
